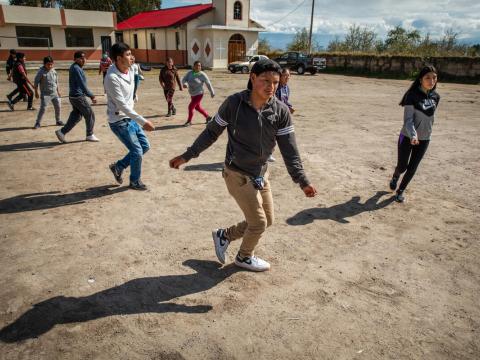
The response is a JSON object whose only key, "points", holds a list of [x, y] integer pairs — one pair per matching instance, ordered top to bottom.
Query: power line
{"points": [[291, 12]]}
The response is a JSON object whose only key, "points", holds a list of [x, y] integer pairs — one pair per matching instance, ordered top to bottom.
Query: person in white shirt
{"points": [[138, 75], [124, 121]]}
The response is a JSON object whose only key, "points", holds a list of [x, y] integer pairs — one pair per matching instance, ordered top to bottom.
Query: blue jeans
{"points": [[133, 137]]}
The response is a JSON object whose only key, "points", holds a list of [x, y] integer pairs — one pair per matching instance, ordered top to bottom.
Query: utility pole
{"points": [[311, 26]]}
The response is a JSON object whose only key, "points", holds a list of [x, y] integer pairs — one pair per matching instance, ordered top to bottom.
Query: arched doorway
{"points": [[236, 48]]}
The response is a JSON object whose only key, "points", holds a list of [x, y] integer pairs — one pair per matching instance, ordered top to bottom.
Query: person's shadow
{"points": [[33, 145], [205, 167], [53, 199], [340, 212], [144, 295]]}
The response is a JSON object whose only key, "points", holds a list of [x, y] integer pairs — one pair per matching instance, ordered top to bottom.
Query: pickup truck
{"points": [[301, 63]]}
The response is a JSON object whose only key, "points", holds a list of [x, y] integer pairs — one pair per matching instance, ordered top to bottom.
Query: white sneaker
{"points": [[135, 98], [60, 136], [92, 138], [271, 158], [221, 244], [252, 263]]}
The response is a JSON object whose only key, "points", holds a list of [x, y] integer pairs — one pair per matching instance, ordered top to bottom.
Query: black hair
{"points": [[118, 49], [13, 51], [20, 55], [78, 55], [47, 59], [168, 59], [197, 62], [416, 83]]}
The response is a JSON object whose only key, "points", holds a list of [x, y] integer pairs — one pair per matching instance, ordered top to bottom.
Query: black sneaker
{"points": [[10, 105], [174, 111], [169, 113], [208, 119], [60, 123], [188, 123], [36, 126], [116, 173], [393, 183], [139, 185], [399, 197]]}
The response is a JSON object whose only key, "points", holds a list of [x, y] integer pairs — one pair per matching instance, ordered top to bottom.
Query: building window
{"points": [[237, 10], [34, 36], [79, 37], [118, 37], [177, 40], [135, 41], [152, 41]]}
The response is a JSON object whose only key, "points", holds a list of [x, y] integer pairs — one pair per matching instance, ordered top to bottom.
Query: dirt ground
{"points": [[94, 271]]}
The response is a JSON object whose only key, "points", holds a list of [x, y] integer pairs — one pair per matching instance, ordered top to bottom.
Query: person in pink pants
{"points": [[194, 81]]}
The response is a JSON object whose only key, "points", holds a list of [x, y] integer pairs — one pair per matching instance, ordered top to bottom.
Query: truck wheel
{"points": [[245, 70], [300, 70], [233, 71]]}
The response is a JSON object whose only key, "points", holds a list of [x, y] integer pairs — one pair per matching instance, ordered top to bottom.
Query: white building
{"points": [[216, 33]]}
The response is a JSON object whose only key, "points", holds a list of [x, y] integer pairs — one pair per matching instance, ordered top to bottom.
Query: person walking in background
{"points": [[9, 63], [105, 63], [138, 75], [168, 76], [47, 80], [194, 80], [24, 85], [283, 90], [77, 95], [419, 103], [246, 115], [125, 123]]}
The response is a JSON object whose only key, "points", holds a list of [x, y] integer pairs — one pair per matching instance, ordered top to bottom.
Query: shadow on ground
{"points": [[205, 167], [53, 199], [340, 212], [138, 296]]}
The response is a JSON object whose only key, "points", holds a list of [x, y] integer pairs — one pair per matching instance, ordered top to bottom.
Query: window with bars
{"points": [[237, 10], [34, 36], [79, 37]]}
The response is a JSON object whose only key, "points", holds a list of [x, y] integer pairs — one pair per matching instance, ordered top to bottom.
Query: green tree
{"points": [[38, 3], [358, 39], [300, 41], [401, 41], [264, 46]]}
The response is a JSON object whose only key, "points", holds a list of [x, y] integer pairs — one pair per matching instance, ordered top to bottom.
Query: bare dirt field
{"points": [[94, 271]]}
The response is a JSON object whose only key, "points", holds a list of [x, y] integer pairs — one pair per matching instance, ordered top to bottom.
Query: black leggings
{"points": [[409, 157]]}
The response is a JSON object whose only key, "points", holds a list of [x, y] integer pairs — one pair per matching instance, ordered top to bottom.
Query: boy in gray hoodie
{"points": [[47, 79]]}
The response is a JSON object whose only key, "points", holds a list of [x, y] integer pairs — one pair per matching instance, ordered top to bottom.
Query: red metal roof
{"points": [[164, 17]]}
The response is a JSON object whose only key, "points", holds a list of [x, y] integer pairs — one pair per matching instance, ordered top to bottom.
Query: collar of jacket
{"points": [[270, 104]]}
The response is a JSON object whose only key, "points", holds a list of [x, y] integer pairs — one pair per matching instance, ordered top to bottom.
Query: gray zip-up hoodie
{"points": [[48, 81], [195, 83], [419, 114], [252, 136]]}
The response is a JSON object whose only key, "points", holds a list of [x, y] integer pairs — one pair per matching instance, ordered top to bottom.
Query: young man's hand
{"points": [[184, 86], [36, 94], [94, 101], [292, 110], [148, 126], [176, 162], [309, 191]]}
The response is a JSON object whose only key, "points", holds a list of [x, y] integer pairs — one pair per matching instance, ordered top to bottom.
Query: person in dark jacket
{"points": [[9, 63], [168, 76], [24, 85], [77, 95], [419, 103], [255, 121]]}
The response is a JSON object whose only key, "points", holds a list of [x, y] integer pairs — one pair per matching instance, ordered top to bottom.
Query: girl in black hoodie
{"points": [[419, 102]]}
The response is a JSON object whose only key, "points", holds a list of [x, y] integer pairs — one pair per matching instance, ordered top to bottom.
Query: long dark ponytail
{"points": [[416, 83]]}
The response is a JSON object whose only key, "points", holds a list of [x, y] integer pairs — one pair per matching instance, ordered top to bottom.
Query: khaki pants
{"points": [[256, 205]]}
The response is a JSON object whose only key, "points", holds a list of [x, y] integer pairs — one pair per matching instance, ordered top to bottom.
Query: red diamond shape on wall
{"points": [[195, 48], [207, 49]]}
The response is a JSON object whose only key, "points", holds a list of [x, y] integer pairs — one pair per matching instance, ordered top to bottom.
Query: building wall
{"points": [[102, 24], [220, 40], [165, 45]]}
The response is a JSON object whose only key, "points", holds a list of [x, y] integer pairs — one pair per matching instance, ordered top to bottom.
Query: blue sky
{"points": [[335, 17]]}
